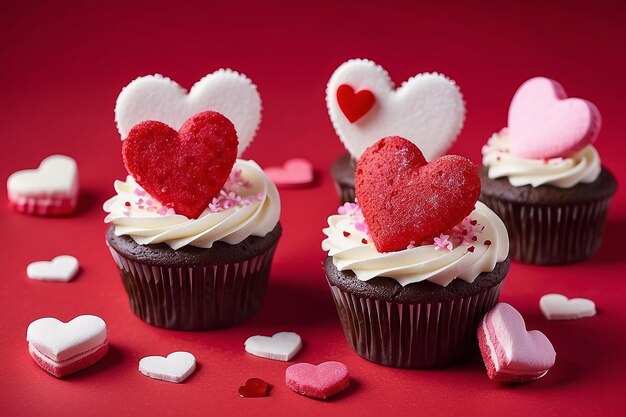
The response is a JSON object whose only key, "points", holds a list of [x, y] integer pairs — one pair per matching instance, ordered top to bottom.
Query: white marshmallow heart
{"points": [[155, 97], [427, 109], [57, 176], [61, 269], [559, 307], [60, 341], [281, 347], [176, 367]]}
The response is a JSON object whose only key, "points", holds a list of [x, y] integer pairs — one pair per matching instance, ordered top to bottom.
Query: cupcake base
{"points": [[343, 174], [549, 225], [193, 288], [422, 325]]}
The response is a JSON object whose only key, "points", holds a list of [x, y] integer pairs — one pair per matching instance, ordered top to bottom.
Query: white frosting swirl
{"points": [[583, 166], [136, 214], [346, 245]]}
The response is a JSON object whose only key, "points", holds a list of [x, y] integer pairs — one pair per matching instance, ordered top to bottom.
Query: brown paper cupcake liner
{"points": [[345, 193], [551, 234], [195, 297], [413, 335]]}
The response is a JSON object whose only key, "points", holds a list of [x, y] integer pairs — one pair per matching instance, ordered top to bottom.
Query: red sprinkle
{"points": [[127, 204], [474, 222], [464, 232], [346, 234], [474, 238], [364, 241], [488, 242], [470, 249]]}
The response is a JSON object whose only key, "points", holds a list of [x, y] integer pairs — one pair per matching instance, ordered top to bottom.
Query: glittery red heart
{"points": [[354, 105], [184, 170], [405, 199], [254, 387]]}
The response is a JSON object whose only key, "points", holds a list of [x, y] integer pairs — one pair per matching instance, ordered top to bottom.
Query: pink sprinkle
{"points": [[140, 192], [149, 202], [443, 242]]}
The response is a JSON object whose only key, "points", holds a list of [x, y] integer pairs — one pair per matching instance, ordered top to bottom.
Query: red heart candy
{"points": [[354, 105], [184, 170], [405, 199], [254, 388]]}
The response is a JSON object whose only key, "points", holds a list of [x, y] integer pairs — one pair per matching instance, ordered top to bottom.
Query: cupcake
{"points": [[364, 105], [544, 178], [193, 227], [415, 265]]}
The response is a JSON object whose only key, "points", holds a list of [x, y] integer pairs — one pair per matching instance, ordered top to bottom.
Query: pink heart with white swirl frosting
{"points": [[544, 123]]}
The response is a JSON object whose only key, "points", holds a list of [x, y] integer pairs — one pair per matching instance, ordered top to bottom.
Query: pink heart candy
{"points": [[544, 123], [294, 172], [510, 352], [319, 381]]}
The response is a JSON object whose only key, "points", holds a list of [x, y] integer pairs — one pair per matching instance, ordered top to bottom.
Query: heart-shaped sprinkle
{"points": [[155, 97], [354, 105], [428, 108], [544, 123], [183, 170], [294, 172], [50, 189], [405, 199], [61, 269], [559, 307], [280, 347], [64, 348], [510, 352], [176, 367], [318, 381], [254, 388]]}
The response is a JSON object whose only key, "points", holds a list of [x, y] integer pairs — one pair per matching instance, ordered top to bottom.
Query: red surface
{"points": [[62, 66]]}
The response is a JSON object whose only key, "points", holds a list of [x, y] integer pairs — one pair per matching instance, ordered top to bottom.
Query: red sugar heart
{"points": [[354, 105], [183, 170], [404, 198], [254, 388]]}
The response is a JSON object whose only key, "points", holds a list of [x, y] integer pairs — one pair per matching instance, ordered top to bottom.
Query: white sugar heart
{"points": [[155, 97], [427, 109], [56, 176], [62, 269], [559, 307], [60, 341], [281, 347], [176, 367]]}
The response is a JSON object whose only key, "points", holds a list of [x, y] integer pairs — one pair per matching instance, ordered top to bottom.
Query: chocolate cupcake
{"points": [[364, 105], [544, 178], [412, 275]]}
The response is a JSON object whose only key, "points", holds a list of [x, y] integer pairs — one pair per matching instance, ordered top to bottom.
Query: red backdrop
{"points": [[62, 66]]}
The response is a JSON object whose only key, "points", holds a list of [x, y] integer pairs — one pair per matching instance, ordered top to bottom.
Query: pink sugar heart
{"points": [[544, 123], [294, 172], [510, 352], [321, 381]]}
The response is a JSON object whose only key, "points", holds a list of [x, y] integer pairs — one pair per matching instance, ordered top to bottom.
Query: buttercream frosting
{"points": [[582, 167], [248, 205], [472, 247]]}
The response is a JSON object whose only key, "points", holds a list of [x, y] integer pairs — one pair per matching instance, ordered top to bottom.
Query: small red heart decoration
{"points": [[354, 105], [184, 170], [404, 198], [254, 388]]}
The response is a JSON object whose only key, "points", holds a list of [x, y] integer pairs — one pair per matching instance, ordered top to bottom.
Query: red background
{"points": [[62, 66]]}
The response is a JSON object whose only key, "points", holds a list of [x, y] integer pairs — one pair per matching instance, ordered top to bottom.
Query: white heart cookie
{"points": [[155, 97], [427, 109], [56, 176], [62, 269], [559, 307], [60, 341], [281, 347], [175, 368]]}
